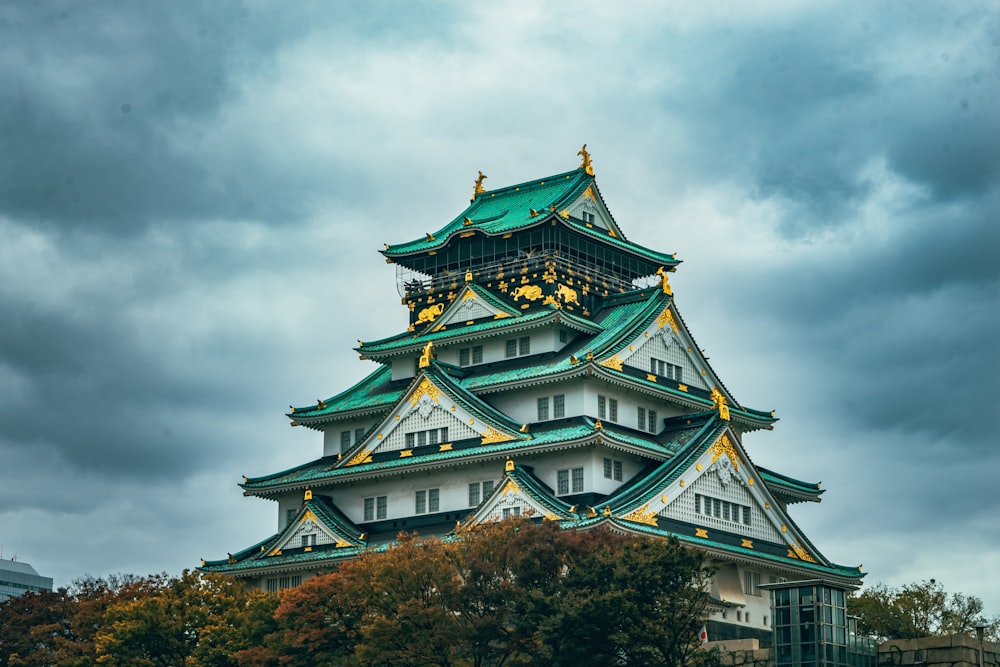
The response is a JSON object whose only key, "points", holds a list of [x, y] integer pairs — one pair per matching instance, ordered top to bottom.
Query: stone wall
{"points": [[953, 651]]}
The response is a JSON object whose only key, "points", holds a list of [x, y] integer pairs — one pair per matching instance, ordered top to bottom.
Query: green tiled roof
{"points": [[505, 210], [407, 340], [376, 390], [779, 482], [538, 491]]}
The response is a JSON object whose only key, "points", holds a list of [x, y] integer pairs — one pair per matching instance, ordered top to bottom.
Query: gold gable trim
{"points": [[725, 446], [643, 515]]}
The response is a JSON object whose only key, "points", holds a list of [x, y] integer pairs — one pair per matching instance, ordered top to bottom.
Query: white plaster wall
{"points": [[404, 367], [628, 404], [522, 405], [437, 418], [331, 434], [709, 484]]}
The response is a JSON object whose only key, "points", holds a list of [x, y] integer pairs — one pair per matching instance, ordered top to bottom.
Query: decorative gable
{"points": [[589, 208], [468, 306], [665, 349], [427, 415], [510, 498], [314, 527]]}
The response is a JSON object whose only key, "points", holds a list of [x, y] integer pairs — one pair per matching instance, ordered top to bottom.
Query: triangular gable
{"points": [[589, 207], [469, 305], [668, 341], [433, 411], [722, 472], [519, 493], [316, 525]]}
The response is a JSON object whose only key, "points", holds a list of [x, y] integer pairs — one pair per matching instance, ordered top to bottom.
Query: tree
{"points": [[918, 610]]}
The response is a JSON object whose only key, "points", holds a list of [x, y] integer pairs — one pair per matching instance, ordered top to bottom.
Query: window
{"points": [[588, 217], [563, 336], [524, 345], [511, 349], [468, 355], [666, 369], [559, 406], [601, 407], [543, 408], [613, 409], [641, 417], [652, 421], [358, 432], [432, 436], [345, 440], [607, 468], [613, 469], [618, 471], [577, 480], [562, 482], [474, 497], [427, 501], [375, 507], [721, 509], [511, 511], [290, 516], [309, 540], [281, 583], [751, 583], [739, 615]]}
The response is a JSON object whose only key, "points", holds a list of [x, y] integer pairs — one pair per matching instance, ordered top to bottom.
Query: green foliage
{"points": [[918, 610]]}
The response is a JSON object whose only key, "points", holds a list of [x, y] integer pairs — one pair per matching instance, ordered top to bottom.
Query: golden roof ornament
{"points": [[586, 165], [479, 189], [663, 281], [427, 355], [721, 404]]}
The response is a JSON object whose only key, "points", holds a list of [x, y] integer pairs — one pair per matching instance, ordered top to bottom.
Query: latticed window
{"points": [[524, 345], [510, 349], [477, 354], [464, 356], [559, 406], [601, 407], [543, 408], [613, 409], [641, 416], [652, 421], [358, 432], [345, 440], [607, 468], [618, 471], [577, 480], [562, 482], [474, 499], [433, 500], [375, 507], [751, 583]]}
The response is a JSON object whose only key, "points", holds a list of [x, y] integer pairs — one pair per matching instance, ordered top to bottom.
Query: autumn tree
{"points": [[918, 610]]}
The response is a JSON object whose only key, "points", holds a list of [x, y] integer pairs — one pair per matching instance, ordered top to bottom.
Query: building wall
{"points": [[17, 577]]}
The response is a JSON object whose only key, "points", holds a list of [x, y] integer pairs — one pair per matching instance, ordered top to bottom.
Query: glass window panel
{"points": [[524, 345], [511, 349], [477, 354], [559, 406], [601, 407], [543, 408], [613, 409], [641, 417], [652, 421], [358, 432], [421, 438], [345, 439], [410, 439], [607, 468], [618, 471], [577, 480], [562, 481], [487, 487], [473, 494], [433, 500], [420, 502], [381, 504], [369, 509]]}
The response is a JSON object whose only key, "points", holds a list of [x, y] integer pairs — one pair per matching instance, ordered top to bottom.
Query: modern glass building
{"points": [[17, 578]]}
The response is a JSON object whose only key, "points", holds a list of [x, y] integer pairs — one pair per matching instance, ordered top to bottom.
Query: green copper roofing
{"points": [[506, 210], [405, 341], [375, 391], [786, 484], [536, 489]]}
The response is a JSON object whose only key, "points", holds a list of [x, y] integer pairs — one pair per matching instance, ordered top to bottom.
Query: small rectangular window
{"points": [[563, 336], [524, 345], [510, 349], [477, 354], [464, 356], [558, 406], [543, 408], [613, 409], [601, 410], [641, 416], [652, 421], [358, 433], [444, 434], [432, 436], [421, 438], [345, 440], [410, 440], [607, 468], [618, 471], [577, 480], [562, 482], [487, 487], [473, 494], [433, 500], [420, 502], [381, 504], [716, 508], [370, 509], [725, 510], [746, 515], [290, 516]]}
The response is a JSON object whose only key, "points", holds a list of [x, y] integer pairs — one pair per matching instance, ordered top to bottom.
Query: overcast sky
{"points": [[193, 194]]}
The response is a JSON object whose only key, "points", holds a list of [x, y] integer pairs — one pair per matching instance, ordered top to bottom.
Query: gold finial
{"points": [[585, 165], [479, 189], [533, 213], [466, 222], [430, 237], [386, 245], [468, 275], [663, 281], [427, 355], [590, 355], [573, 359], [721, 403], [320, 405], [292, 408], [293, 423], [598, 426], [524, 428], [509, 465], [245, 480], [308, 495], [572, 510], [607, 510], [203, 563]]}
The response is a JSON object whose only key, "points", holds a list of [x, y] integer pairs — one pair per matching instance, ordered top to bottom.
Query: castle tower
{"points": [[544, 369]]}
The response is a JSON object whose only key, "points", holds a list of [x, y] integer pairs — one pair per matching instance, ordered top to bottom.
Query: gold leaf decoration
{"points": [[614, 361], [492, 436], [725, 446], [643, 515]]}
